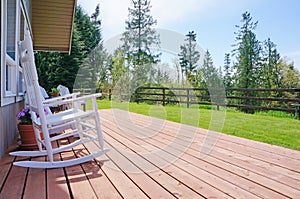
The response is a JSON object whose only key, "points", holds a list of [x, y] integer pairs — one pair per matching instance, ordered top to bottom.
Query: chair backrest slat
{"points": [[30, 76]]}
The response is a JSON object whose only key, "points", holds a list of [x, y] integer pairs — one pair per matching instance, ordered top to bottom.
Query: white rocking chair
{"points": [[84, 124]]}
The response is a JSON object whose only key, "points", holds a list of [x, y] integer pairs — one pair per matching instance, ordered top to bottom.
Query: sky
{"points": [[213, 21]]}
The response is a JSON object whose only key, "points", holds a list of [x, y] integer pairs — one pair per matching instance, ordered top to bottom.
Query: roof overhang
{"points": [[52, 24]]}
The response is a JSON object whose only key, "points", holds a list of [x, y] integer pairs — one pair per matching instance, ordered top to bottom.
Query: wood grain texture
{"points": [[151, 158]]}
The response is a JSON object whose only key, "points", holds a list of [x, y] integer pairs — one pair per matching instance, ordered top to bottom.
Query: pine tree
{"points": [[89, 28], [140, 35], [247, 54], [189, 57], [248, 67], [271, 70], [209, 72], [227, 78]]}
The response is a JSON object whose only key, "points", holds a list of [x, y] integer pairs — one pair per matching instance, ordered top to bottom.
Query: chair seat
{"points": [[66, 116]]}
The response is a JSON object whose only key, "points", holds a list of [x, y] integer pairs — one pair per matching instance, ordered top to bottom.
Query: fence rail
{"points": [[280, 99]]}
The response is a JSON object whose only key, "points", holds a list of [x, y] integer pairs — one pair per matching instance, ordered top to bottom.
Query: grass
{"points": [[275, 128]]}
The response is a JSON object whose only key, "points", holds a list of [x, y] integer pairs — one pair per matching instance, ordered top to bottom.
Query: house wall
{"points": [[11, 86], [8, 125]]}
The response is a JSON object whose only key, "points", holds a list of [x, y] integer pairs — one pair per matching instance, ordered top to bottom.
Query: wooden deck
{"points": [[153, 158]]}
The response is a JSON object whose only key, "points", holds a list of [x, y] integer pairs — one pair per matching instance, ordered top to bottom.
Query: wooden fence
{"points": [[281, 99]]}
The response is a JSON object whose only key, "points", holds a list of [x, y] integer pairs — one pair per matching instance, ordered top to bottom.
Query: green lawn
{"points": [[269, 129]]}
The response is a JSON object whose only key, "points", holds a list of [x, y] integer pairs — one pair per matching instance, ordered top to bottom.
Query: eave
{"points": [[52, 24]]}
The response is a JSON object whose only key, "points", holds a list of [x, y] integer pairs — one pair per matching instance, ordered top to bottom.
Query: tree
{"points": [[89, 28], [140, 36], [247, 53], [189, 57], [248, 66], [118, 67], [95, 70], [271, 70], [290, 76], [210, 77], [227, 78]]}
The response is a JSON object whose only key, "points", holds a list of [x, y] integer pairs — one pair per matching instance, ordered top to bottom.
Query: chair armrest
{"points": [[72, 95], [71, 100]]}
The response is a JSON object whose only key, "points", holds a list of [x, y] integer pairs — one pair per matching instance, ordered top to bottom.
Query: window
{"points": [[22, 25], [12, 30], [10, 58], [10, 74], [20, 82]]}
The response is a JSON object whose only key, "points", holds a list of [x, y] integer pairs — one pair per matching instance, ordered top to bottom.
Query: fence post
{"points": [[109, 94], [137, 95], [164, 96], [187, 98], [297, 113]]}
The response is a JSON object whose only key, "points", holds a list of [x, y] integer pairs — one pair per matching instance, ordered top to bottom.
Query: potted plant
{"points": [[55, 92], [26, 130]]}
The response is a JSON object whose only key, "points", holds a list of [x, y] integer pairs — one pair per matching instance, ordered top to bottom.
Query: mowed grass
{"points": [[279, 131]]}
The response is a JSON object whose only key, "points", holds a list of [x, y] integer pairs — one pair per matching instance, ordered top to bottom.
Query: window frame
{"points": [[15, 91]]}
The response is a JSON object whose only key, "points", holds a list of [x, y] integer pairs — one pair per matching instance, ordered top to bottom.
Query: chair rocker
{"points": [[73, 121]]}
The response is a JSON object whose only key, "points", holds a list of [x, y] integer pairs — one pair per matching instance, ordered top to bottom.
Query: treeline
{"points": [[250, 64]]}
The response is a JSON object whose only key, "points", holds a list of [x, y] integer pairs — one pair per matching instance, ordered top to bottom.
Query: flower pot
{"points": [[55, 94], [27, 135]]}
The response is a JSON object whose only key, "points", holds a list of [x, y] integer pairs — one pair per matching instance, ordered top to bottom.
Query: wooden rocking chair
{"points": [[84, 124]]}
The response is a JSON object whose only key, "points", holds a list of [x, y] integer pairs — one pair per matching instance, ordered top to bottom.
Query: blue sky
{"points": [[213, 21]]}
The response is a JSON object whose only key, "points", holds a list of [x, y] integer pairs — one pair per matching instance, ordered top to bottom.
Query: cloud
{"points": [[167, 11], [115, 12], [293, 57]]}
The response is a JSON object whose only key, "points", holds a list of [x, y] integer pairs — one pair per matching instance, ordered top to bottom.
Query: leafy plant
{"points": [[54, 91]]}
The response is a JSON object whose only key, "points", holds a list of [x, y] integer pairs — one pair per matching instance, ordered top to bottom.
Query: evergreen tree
{"points": [[89, 28], [140, 36], [247, 53], [189, 57], [248, 67], [271, 70], [95, 71], [209, 72], [227, 78]]}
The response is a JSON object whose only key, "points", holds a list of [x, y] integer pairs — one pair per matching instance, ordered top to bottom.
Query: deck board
{"points": [[154, 158], [208, 177], [77, 178], [36, 180], [15, 182], [57, 184]]}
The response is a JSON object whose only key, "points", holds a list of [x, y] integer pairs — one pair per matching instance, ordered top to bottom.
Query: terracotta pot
{"points": [[55, 94], [27, 135]]}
